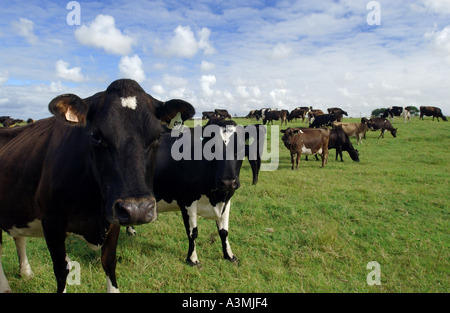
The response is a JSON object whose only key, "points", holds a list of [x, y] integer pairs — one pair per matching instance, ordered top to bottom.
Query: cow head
{"points": [[121, 126], [288, 135], [229, 138], [354, 154]]}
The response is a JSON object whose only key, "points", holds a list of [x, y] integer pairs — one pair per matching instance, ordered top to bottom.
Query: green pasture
{"points": [[311, 230]]}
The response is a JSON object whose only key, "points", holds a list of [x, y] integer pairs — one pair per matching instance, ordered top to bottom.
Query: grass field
{"points": [[311, 230]]}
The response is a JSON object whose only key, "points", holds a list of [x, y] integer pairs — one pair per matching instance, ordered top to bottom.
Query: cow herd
{"points": [[108, 161]]}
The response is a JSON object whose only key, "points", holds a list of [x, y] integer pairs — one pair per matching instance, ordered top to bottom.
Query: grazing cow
{"points": [[432, 111], [338, 112], [221, 113], [251, 114], [295, 114], [206, 115], [272, 115], [323, 120], [376, 123], [354, 129], [307, 141], [340, 141], [85, 171], [202, 186]]}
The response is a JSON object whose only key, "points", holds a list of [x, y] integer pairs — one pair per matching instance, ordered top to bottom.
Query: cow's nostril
{"points": [[122, 212]]}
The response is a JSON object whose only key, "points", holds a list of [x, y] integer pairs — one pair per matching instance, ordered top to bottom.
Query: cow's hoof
{"points": [[233, 260], [191, 263]]}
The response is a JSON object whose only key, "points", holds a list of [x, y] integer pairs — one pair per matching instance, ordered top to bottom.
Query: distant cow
{"points": [[392, 111], [432, 111], [338, 112], [221, 113], [252, 114], [295, 114], [206, 115], [312, 115], [275, 116], [323, 120], [376, 123], [354, 129], [306, 141], [340, 141], [86, 171]]}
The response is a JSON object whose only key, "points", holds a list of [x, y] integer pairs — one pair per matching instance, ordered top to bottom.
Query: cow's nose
{"points": [[229, 184], [134, 211]]}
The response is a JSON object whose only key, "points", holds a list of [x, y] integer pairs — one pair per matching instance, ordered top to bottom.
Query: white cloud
{"points": [[438, 6], [25, 28], [102, 33], [204, 43], [185, 45], [281, 51], [206, 66], [131, 67], [73, 74], [4, 76], [174, 81], [206, 81], [158, 89]]}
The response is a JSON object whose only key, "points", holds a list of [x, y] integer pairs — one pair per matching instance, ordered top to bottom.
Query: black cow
{"points": [[393, 111], [432, 111], [338, 112], [221, 113], [295, 114], [206, 115], [274, 115], [323, 120], [376, 123], [340, 141], [86, 171], [203, 185]]}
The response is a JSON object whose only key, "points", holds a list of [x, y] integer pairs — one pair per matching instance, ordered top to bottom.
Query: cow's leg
{"points": [[297, 160], [292, 161], [190, 223], [222, 227], [55, 237], [109, 258], [25, 268], [4, 285]]}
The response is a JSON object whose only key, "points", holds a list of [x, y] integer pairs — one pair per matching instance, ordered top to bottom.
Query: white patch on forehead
{"points": [[129, 102], [226, 133]]}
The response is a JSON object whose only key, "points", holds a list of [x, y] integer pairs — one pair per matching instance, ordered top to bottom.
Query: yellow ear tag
{"points": [[176, 122]]}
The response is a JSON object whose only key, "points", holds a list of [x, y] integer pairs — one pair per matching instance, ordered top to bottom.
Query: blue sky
{"points": [[238, 55]]}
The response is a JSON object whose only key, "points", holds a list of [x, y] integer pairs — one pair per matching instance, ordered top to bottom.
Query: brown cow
{"points": [[432, 111], [353, 129], [307, 141]]}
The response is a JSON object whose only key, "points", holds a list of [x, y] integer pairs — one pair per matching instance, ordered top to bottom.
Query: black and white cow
{"points": [[323, 120], [85, 171], [200, 184]]}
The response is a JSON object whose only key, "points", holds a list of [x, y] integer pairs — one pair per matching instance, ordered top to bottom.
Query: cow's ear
{"points": [[69, 108], [166, 111], [283, 131]]}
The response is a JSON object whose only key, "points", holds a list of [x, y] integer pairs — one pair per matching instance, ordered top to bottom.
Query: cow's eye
{"points": [[96, 137]]}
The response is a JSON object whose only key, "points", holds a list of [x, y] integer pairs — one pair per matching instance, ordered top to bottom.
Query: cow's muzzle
{"points": [[229, 184], [134, 211]]}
